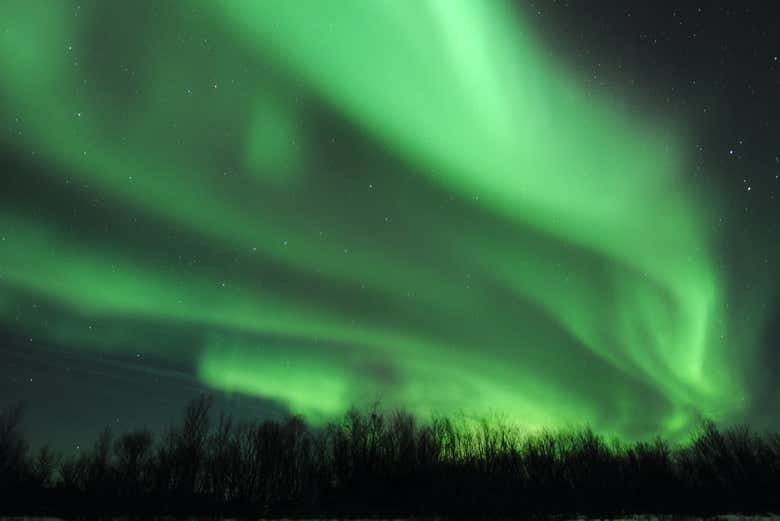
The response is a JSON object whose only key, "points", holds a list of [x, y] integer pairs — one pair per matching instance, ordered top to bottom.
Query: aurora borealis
{"points": [[318, 204]]}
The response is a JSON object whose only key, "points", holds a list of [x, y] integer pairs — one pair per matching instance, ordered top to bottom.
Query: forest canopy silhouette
{"points": [[376, 463]]}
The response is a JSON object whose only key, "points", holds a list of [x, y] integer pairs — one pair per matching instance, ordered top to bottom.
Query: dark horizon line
{"points": [[376, 464]]}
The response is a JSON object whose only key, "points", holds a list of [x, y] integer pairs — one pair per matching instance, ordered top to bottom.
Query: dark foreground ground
{"points": [[377, 465]]}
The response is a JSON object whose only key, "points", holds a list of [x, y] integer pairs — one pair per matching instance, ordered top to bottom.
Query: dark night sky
{"points": [[717, 66], [298, 222]]}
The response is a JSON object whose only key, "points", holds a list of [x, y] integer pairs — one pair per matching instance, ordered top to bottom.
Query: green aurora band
{"points": [[324, 203]]}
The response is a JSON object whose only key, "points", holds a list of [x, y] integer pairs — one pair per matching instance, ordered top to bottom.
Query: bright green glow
{"points": [[409, 197], [312, 385]]}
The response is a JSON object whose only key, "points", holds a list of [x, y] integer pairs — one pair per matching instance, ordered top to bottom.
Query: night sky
{"points": [[554, 212]]}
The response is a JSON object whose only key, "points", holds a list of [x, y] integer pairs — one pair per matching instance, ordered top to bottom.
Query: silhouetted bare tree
{"points": [[13, 448], [133, 453], [373, 463], [43, 465]]}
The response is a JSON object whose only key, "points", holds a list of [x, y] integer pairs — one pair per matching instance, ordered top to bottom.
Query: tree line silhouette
{"points": [[375, 463]]}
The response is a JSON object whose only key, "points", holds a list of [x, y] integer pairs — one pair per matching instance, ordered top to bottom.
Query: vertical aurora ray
{"points": [[357, 199]]}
